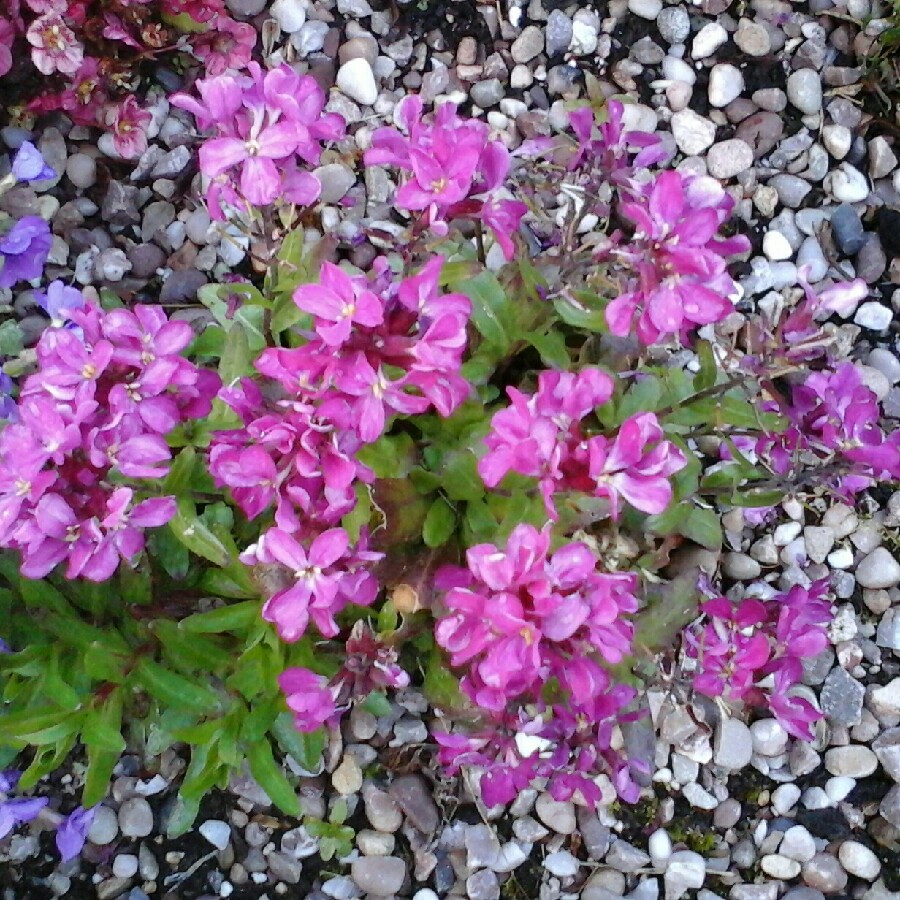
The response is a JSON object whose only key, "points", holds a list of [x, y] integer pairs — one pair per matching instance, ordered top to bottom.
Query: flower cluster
{"points": [[92, 51], [269, 125], [453, 170], [675, 260], [339, 391], [96, 412], [834, 421], [541, 436], [531, 628], [753, 651], [369, 665]]}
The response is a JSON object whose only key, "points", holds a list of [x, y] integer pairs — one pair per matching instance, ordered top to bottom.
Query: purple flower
{"points": [[29, 165], [25, 248], [59, 300], [308, 698], [16, 810], [72, 832]]}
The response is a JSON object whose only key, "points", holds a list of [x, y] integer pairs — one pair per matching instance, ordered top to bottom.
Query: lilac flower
{"points": [[29, 165], [24, 248], [58, 301], [308, 698], [16, 811], [72, 832]]}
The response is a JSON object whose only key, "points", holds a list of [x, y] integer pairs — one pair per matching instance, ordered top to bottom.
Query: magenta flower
{"points": [[7, 37], [265, 122], [681, 280], [340, 301], [625, 468], [315, 593], [308, 698]]}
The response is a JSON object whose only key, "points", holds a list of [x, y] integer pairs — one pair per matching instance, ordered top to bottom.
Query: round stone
{"points": [[646, 9], [674, 24], [753, 39], [707, 40], [356, 79], [725, 84], [804, 90], [692, 132], [729, 158], [82, 170], [879, 569], [769, 738], [854, 761], [136, 817], [104, 827], [859, 860], [125, 865], [779, 866], [382, 876]]}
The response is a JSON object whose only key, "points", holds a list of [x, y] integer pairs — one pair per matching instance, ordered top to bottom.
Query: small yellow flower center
{"points": [[253, 147], [348, 310], [89, 371], [22, 487]]}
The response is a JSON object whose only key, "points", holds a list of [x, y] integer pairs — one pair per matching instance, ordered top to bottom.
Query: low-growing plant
{"points": [[469, 468]]}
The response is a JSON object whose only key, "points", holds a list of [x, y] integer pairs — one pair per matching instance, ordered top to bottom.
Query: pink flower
{"points": [[7, 36], [228, 45], [55, 47], [129, 128], [681, 276], [340, 301], [624, 467], [315, 593], [308, 698]]}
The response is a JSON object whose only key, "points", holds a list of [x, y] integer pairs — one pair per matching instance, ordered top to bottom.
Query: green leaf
{"points": [[492, 312], [581, 317], [11, 343], [552, 348], [237, 356], [709, 371], [644, 395], [459, 476], [180, 478], [440, 522], [702, 526], [196, 536], [170, 553], [233, 582], [670, 606], [236, 617], [440, 685], [175, 690], [377, 704], [39, 727], [103, 740], [305, 747], [271, 777], [182, 815]]}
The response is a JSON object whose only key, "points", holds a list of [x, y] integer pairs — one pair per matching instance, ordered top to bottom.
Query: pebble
{"points": [[645, 9], [289, 14], [674, 24], [558, 33], [753, 38], [707, 40], [528, 45], [356, 79], [725, 84], [804, 91], [487, 93], [692, 132], [837, 140], [729, 158], [82, 170], [847, 184], [791, 189], [847, 229], [775, 245], [875, 317], [741, 567], [879, 569], [769, 737], [733, 745], [887, 748], [854, 760], [347, 778], [414, 797], [784, 798], [890, 806], [381, 810], [557, 815], [136, 817], [104, 827], [217, 832], [798, 844], [660, 847], [625, 857], [859, 860], [561, 864], [125, 865], [779, 866], [686, 871], [825, 873], [382, 876], [483, 885]]}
